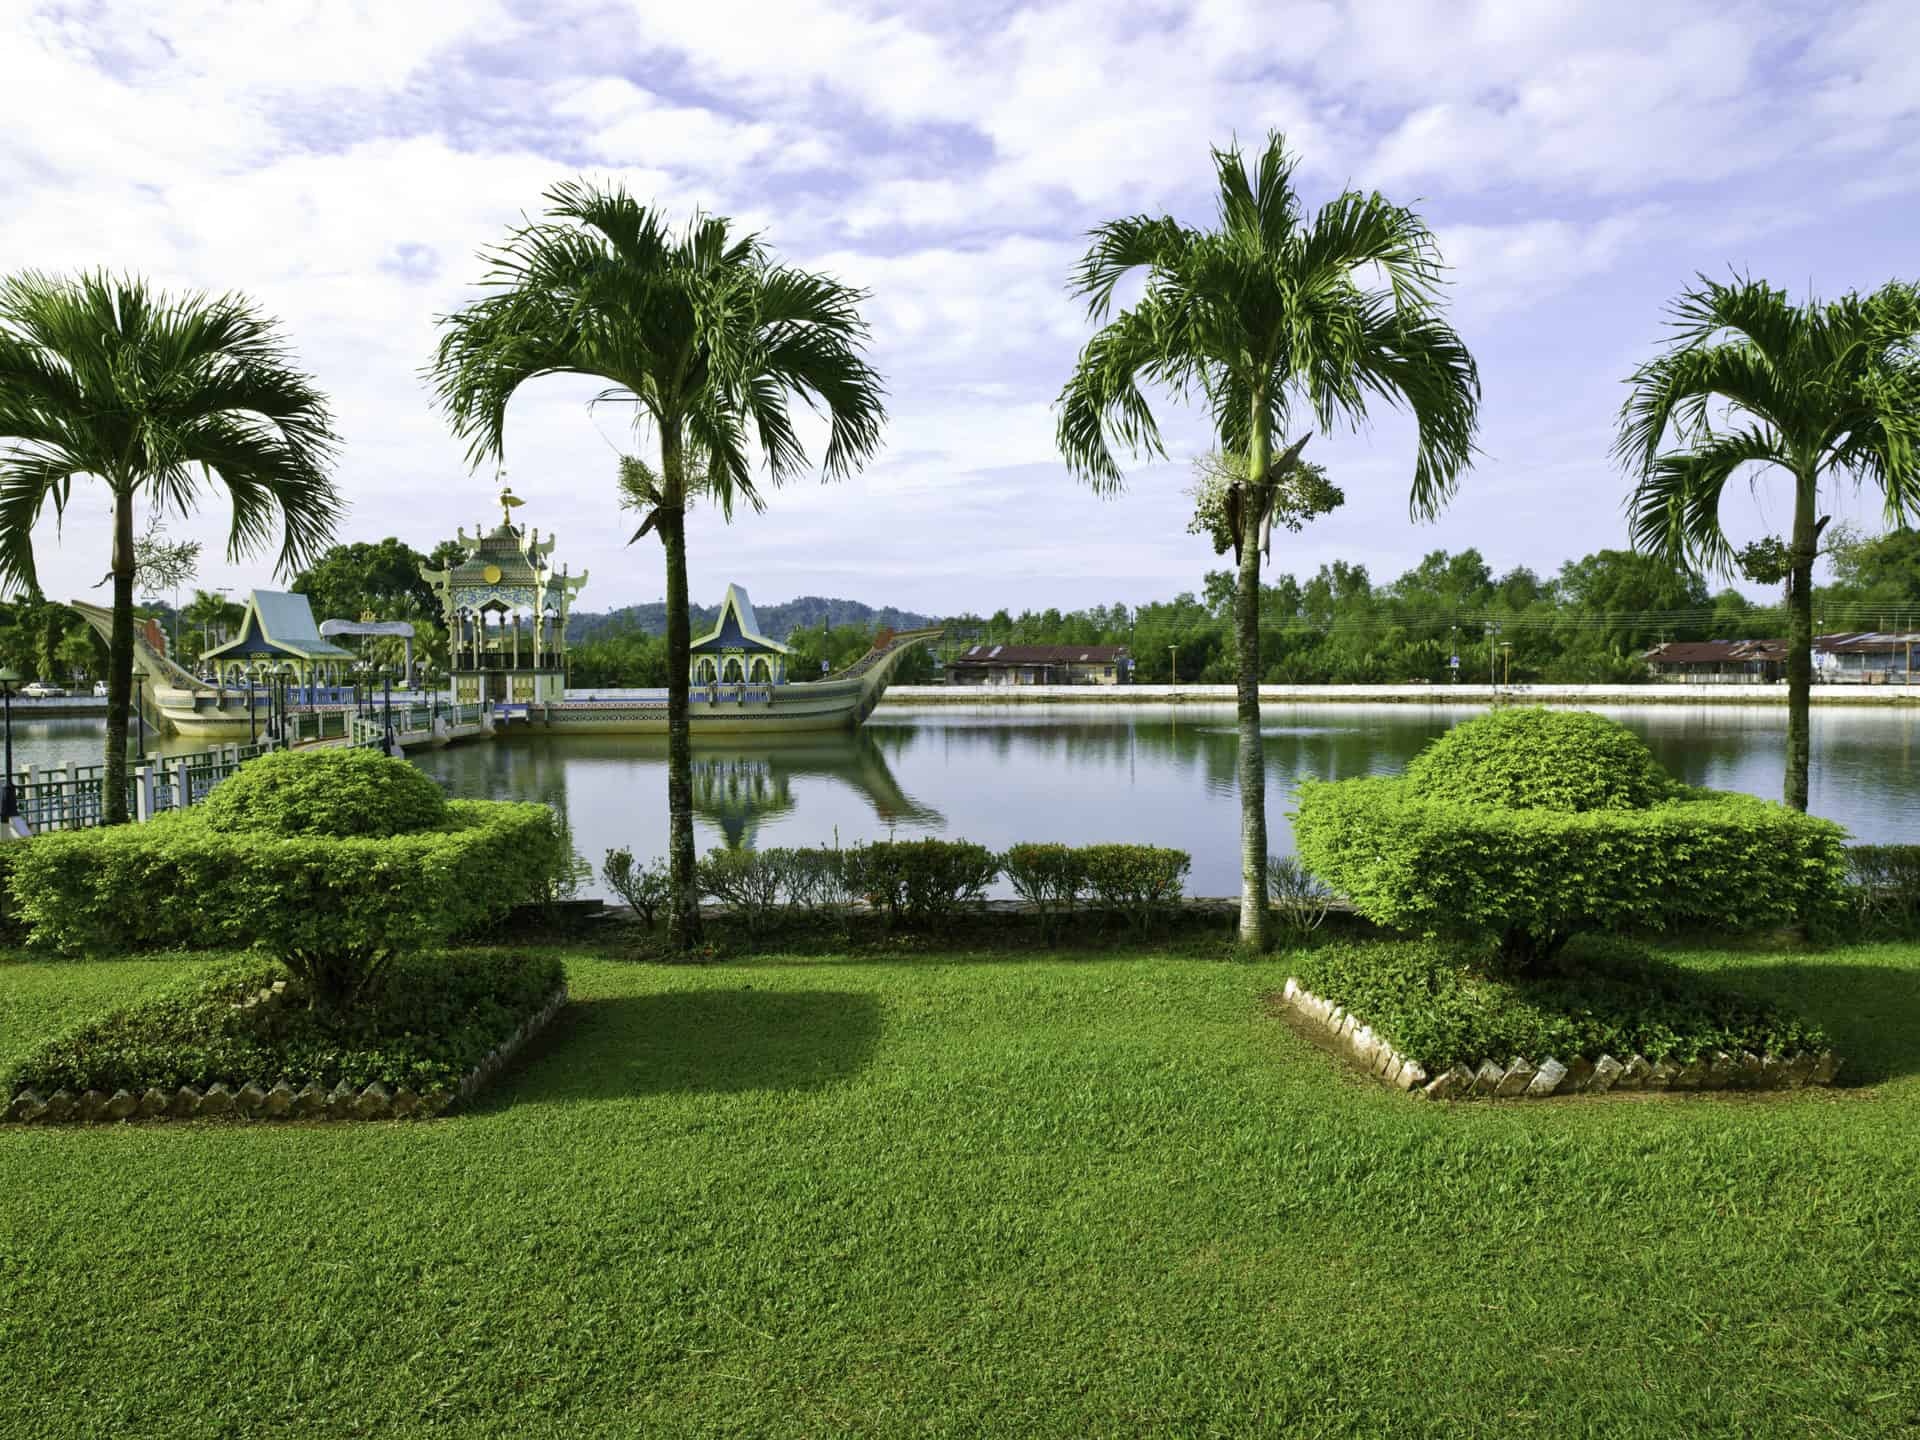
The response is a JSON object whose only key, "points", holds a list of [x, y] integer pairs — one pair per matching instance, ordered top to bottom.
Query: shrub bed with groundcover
{"points": [[1533, 826], [333, 908], [1442, 1003], [427, 1022]]}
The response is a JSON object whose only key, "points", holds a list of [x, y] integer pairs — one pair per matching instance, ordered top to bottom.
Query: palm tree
{"points": [[1267, 317], [708, 339], [1823, 392], [154, 395]]}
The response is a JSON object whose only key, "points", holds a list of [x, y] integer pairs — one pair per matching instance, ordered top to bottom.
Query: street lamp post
{"points": [[1506, 658], [1174, 663], [284, 673], [1493, 674], [386, 709], [139, 717], [253, 722], [9, 799]]}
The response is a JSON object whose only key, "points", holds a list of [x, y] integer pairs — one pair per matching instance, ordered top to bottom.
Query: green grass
{"points": [[1078, 1197]]}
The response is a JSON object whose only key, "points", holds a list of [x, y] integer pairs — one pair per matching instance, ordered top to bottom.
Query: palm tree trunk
{"points": [[1806, 532], [1252, 766], [113, 781], [683, 904]]}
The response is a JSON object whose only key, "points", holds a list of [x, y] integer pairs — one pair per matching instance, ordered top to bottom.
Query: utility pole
{"points": [[1506, 657], [1175, 662], [1493, 674]]}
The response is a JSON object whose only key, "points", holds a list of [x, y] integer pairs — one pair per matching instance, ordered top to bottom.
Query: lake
{"points": [[1084, 773]]}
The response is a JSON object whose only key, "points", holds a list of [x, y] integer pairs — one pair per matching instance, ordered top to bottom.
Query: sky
{"points": [[344, 163]]}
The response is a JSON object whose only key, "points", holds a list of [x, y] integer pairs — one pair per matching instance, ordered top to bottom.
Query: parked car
{"points": [[99, 689], [41, 690]]}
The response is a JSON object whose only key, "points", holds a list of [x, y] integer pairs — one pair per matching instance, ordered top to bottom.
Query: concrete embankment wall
{"points": [[1396, 694]]}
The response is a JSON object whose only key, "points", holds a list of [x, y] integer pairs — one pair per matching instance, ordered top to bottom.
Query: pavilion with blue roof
{"points": [[278, 629], [735, 651]]}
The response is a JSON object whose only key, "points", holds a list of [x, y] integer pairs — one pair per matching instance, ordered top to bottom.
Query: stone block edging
{"points": [[1522, 1079], [282, 1101]]}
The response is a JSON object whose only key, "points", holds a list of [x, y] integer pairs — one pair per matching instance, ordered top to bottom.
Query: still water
{"points": [[1084, 773]]}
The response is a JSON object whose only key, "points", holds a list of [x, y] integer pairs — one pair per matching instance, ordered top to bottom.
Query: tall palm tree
{"points": [[1268, 317], [708, 339], [1822, 391], [155, 396]]}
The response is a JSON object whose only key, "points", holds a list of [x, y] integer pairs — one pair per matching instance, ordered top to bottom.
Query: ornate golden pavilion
{"points": [[506, 612]]}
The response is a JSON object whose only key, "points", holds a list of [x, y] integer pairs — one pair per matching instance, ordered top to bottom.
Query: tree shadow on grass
{"points": [[1871, 1011], [700, 1042]]}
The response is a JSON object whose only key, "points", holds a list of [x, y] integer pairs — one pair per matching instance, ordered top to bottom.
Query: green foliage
{"points": [[1302, 493], [381, 578], [1537, 759], [333, 793], [1725, 862], [1049, 877], [745, 880], [813, 880], [920, 882], [1141, 882], [644, 888], [1885, 889], [1298, 897], [335, 911], [1441, 1004], [429, 1021]]}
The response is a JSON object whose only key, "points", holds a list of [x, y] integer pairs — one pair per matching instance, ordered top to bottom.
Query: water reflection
{"points": [[999, 774], [612, 788]]}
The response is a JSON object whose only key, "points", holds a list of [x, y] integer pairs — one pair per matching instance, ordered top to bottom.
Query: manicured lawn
{"points": [[1080, 1197]]}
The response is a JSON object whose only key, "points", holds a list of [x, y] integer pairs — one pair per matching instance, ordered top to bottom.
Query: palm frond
{"points": [[1675, 508]]}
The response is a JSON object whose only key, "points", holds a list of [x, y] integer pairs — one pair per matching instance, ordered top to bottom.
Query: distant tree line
{"points": [[1592, 621]]}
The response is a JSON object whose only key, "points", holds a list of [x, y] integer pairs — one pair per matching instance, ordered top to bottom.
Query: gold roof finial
{"points": [[509, 501]]}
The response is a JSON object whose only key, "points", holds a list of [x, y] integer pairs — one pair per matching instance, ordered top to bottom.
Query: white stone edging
{"points": [[1521, 1079], [282, 1102]]}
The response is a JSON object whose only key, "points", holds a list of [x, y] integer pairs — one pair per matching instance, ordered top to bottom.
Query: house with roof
{"points": [[278, 629], [735, 651], [1865, 657], [1719, 662], [990, 664]]}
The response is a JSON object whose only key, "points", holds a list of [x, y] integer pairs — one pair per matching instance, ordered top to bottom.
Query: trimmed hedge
{"points": [[1532, 758], [332, 792], [1435, 867], [1049, 877], [920, 882], [1142, 882], [1886, 888], [333, 910], [1440, 1003], [427, 1024]]}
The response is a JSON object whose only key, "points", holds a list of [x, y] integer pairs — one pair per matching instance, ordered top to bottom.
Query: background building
{"points": [[1041, 665]]}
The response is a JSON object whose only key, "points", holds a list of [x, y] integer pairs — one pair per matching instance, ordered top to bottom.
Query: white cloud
{"points": [[343, 164]]}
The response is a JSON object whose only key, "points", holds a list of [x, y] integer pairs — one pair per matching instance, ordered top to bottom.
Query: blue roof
{"points": [[278, 622], [738, 629]]}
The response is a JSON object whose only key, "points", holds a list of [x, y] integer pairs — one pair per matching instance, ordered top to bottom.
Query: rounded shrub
{"points": [[1538, 759], [337, 793], [1533, 826]]}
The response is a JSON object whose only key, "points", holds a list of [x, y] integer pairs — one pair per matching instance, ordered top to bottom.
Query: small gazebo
{"points": [[506, 610], [278, 629], [735, 651]]}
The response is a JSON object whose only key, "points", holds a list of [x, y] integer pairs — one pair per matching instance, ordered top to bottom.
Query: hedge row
{"points": [[1439, 867], [915, 883], [332, 909], [1442, 1003], [428, 1022]]}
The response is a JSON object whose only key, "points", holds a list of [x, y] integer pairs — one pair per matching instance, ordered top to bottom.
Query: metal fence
{"points": [[68, 797]]}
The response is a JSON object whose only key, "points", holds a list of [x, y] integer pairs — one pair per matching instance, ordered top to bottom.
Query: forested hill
{"points": [[776, 621]]}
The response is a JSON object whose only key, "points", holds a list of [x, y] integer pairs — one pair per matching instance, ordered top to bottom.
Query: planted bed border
{"points": [[1522, 1079], [282, 1101]]}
